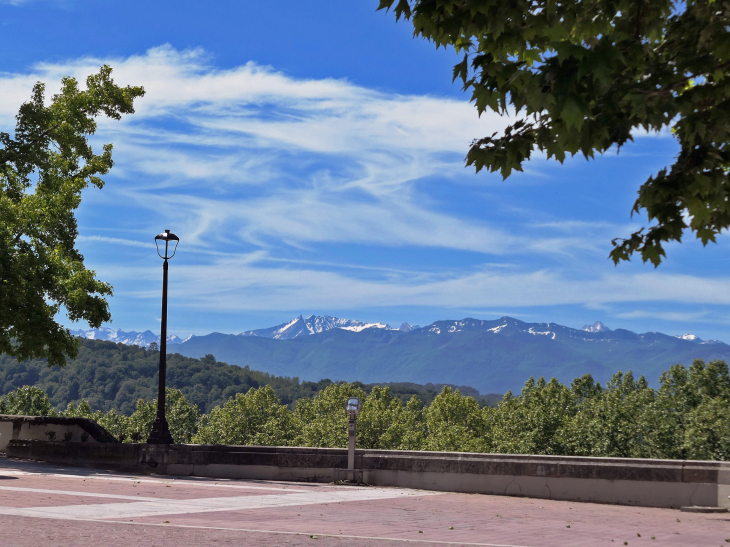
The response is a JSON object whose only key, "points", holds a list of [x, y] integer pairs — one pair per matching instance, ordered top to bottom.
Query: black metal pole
{"points": [[160, 430]]}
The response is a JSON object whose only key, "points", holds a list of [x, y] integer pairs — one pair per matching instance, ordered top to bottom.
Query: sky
{"points": [[310, 156]]}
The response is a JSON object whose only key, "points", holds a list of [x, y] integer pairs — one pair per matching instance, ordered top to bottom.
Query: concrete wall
{"points": [[45, 428], [649, 483]]}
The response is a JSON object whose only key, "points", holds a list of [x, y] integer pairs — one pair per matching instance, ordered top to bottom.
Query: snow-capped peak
{"points": [[314, 324], [596, 327], [358, 328], [689, 337], [130, 338]]}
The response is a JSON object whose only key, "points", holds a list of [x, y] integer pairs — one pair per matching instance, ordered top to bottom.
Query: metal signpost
{"points": [[353, 409]]}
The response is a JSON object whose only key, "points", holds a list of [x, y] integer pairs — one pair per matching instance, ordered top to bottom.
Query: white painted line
{"points": [[86, 494], [206, 505], [308, 534]]}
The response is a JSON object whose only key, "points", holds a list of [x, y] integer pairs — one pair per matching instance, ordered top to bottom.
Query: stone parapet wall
{"points": [[48, 427], [650, 483]]}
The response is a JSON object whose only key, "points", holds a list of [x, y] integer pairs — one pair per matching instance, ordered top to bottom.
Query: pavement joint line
{"points": [[90, 473], [175, 480], [86, 494], [286, 532]]}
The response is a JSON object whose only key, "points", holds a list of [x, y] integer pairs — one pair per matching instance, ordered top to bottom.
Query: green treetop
{"points": [[582, 76], [43, 169]]}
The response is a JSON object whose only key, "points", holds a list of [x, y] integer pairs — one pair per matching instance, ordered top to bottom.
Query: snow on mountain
{"points": [[301, 326], [405, 327], [596, 327], [358, 328], [597, 333], [690, 337], [131, 338], [695, 338]]}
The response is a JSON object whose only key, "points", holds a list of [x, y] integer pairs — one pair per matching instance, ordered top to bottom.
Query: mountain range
{"points": [[299, 326], [130, 338], [492, 356]]}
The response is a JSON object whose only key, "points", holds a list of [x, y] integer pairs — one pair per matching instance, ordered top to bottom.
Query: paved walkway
{"points": [[44, 505]]}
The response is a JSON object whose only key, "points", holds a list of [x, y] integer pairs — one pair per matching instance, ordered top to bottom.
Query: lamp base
{"points": [[160, 433]]}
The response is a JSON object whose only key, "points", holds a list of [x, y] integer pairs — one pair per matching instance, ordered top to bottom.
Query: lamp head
{"points": [[167, 237], [353, 406]]}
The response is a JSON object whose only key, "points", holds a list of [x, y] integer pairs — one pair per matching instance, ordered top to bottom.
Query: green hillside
{"points": [[114, 376]]}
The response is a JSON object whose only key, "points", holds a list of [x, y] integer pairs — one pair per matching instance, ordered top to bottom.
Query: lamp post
{"points": [[352, 408], [160, 433]]}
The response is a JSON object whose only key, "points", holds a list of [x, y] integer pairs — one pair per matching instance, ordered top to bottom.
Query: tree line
{"points": [[114, 376], [687, 417]]}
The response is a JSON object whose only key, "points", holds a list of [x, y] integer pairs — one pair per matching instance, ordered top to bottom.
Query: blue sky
{"points": [[310, 157]]}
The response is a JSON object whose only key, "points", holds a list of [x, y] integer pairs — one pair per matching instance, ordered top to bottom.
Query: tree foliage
{"points": [[582, 76], [44, 168], [27, 401], [182, 417], [687, 417], [253, 418], [323, 419], [387, 423], [532, 423], [456, 424], [610, 424]]}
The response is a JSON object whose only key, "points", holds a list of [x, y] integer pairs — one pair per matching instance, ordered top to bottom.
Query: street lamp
{"points": [[352, 407], [160, 430]]}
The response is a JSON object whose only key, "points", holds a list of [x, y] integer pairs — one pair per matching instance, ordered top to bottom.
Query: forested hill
{"points": [[110, 375]]}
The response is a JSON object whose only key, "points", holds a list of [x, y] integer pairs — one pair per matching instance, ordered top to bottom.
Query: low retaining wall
{"points": [[51, 428], [649, 483]]}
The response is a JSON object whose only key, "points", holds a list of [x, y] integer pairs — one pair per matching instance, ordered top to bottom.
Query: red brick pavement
{"points": [[398, 518]]}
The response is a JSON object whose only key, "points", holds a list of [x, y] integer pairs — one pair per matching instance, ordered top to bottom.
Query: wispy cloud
{"points": [[332, 161], [263, 172], [115, 241], [254, 282], [682, 317]]}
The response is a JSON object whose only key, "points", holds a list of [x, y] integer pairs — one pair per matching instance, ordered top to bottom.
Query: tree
{"points": [[581, 76], [43, 170], [27, 401], [256, 418], [322, 419], [666, 421], [532, 422], [386, 423], [456, 423], [609, 424], [708, 431]]}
